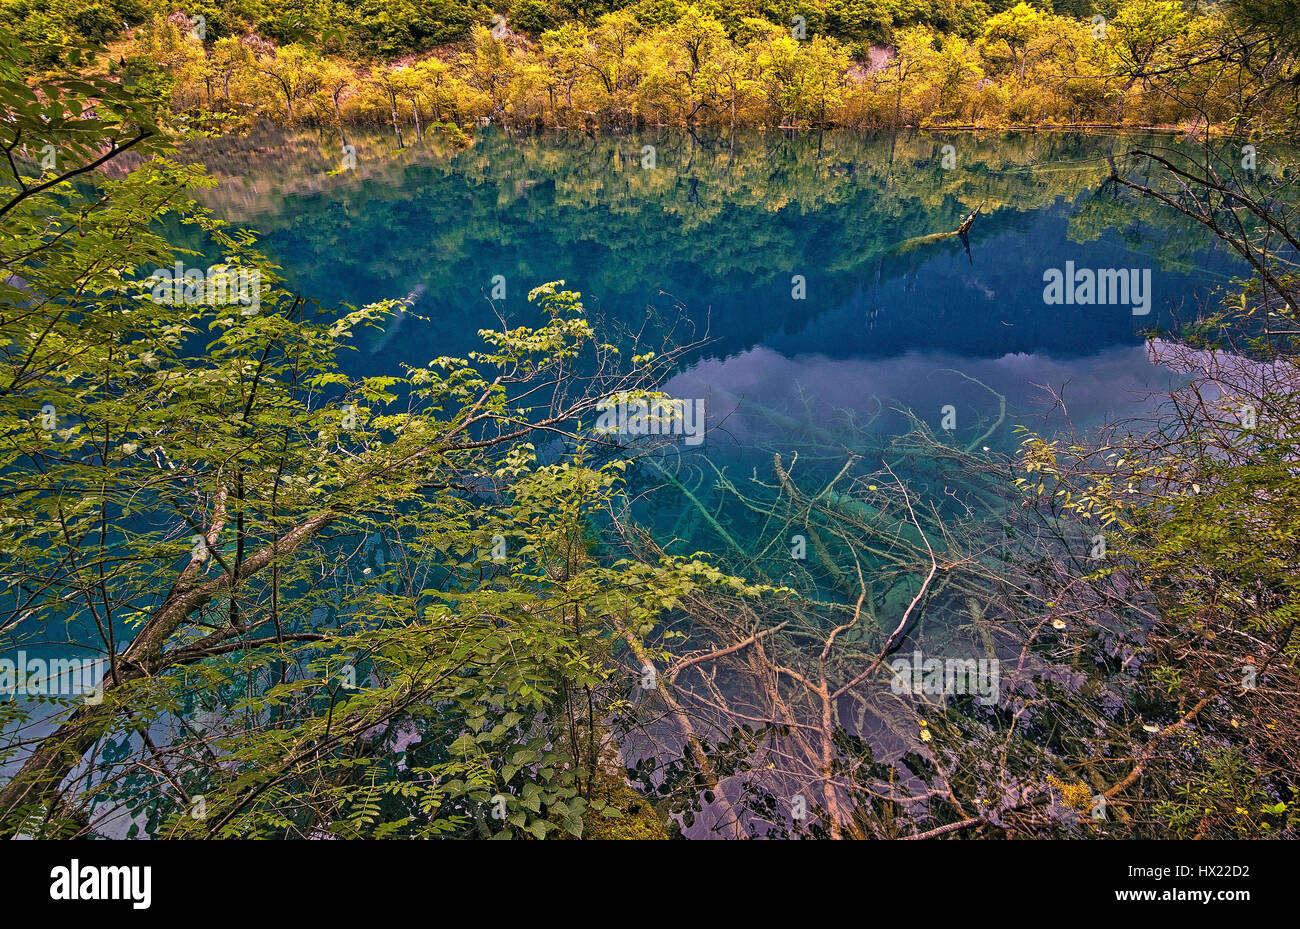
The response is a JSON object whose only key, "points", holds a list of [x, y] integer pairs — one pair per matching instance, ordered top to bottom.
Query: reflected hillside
{"points": [[720, 227]]}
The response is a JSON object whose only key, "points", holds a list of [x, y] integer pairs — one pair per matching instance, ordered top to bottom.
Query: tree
{"points": [[1015, 27], [1143, 33], [693, 43], [564, 50], [230, 56], [489, 68], [294, 72], [335, 79], [803, 79], [391, 82], [439, 85], [278, 568]]}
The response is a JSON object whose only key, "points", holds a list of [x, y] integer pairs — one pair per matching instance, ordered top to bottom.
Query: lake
{"points": [[812, 264], [834, 316], [837, 317]]}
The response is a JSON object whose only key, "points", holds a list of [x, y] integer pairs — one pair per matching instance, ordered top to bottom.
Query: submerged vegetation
{"points": [[1136, 586], [436, 603]]}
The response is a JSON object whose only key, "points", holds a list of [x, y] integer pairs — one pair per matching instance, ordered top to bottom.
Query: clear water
{"points": [[894, 317], [895, 320]]}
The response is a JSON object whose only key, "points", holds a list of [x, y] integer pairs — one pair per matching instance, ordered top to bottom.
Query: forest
{"points": [[788, 64], [430, 599]]}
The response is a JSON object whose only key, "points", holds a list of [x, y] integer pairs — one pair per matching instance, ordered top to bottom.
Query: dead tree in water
{"points": [[923, 543]]}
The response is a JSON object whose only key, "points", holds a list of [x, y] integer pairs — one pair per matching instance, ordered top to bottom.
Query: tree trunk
{"points": [[415, 113], [338, 115], [397, 128], [42, 774]]}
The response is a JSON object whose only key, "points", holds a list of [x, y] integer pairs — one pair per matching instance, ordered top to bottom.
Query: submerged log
{"points": [[966, 223], [961, 231]]}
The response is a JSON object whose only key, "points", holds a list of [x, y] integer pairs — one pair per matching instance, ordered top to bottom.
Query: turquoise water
{"points": [[717, 230], [811, 267], [834, 311]]}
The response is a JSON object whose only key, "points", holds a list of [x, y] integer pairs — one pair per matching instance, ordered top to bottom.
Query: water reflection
{"points": [[725, 231], [841, 313]]}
